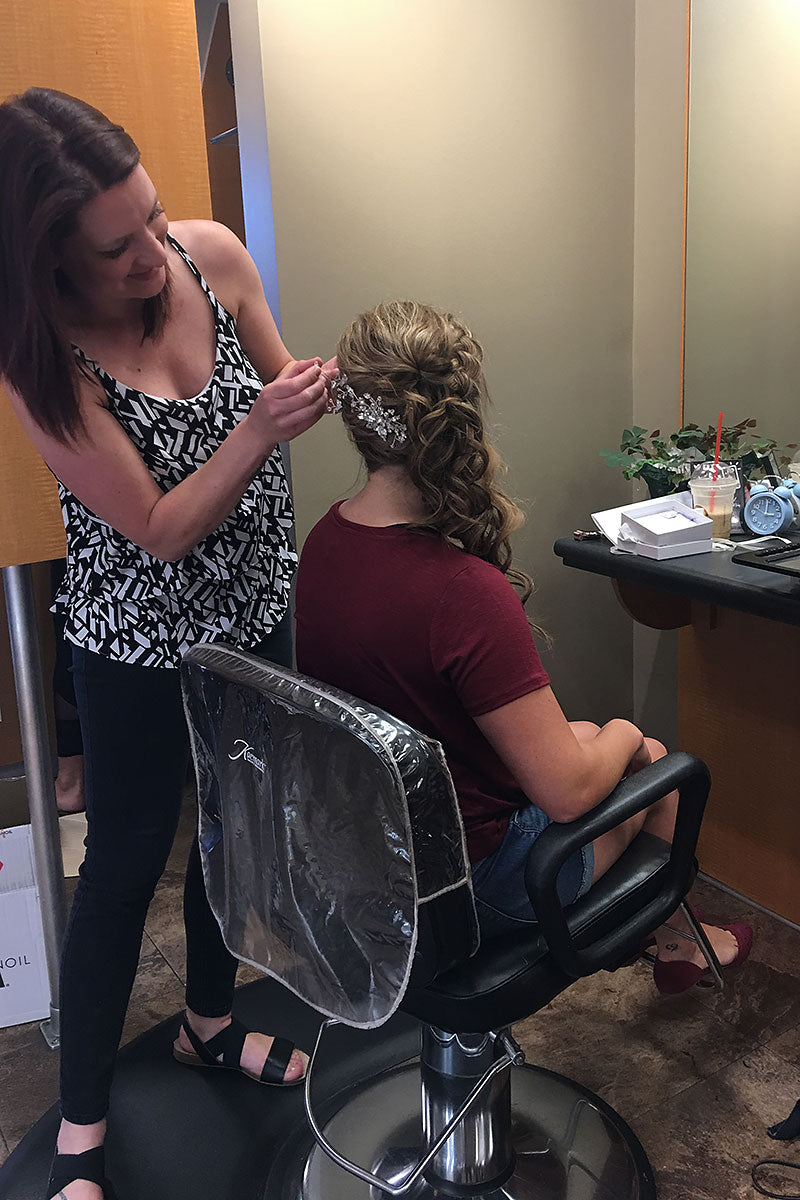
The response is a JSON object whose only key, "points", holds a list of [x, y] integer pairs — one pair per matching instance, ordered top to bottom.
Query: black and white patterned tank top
{"points": [[123, 603]]}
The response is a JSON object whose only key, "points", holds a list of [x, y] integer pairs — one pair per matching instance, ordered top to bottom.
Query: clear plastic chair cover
{"points": [[325, 825]]}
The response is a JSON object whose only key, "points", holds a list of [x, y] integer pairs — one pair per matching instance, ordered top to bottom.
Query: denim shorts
{"points": [[499, 880]]}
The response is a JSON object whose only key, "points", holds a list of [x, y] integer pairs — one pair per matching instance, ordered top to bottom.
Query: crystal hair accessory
{"points": [[370, 412]]}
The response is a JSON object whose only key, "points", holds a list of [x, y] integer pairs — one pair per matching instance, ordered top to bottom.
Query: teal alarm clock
{"points": [[769, 510]]}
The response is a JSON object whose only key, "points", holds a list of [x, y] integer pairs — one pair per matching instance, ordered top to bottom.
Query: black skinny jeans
{"points": [[136, 756]]}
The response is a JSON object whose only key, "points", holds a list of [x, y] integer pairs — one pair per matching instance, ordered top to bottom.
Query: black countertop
{"points": [[711, 578]]}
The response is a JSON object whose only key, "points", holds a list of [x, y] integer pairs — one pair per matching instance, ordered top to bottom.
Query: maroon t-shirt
{"points": [[435, 636]]}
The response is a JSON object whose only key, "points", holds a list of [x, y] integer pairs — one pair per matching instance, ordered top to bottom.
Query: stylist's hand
{"points": [[330, 369], [330, 372], [291, 404], [642, 758]]}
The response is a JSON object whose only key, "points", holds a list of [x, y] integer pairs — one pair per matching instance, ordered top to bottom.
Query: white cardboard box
{"points": [[666, 527], [669, 531], [675, 550], [24, 986]]}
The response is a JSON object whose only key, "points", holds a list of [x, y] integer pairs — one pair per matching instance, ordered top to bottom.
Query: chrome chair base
{"points": [[569, 1145]]}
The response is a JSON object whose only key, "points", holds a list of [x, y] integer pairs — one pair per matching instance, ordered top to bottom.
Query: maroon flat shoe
{"points": [[679, 975]]}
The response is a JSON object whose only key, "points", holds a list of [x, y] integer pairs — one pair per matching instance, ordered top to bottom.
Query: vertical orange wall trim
{"points": [[138, 62], [685, 205]]}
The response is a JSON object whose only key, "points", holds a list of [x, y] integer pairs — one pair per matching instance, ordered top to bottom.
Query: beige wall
{"points": [[481, 157], [658, 210], [743, 298], [657, 307]]}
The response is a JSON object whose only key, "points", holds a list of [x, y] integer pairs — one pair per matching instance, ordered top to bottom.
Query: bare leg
{"points": [[69, 784], [658, 820], [610, 846]]}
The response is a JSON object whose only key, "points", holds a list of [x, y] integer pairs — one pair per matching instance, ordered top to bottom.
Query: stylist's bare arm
{"points": [[104, 470]]}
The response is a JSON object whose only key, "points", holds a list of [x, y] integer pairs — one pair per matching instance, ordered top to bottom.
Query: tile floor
{"points": [[698, 1076]]}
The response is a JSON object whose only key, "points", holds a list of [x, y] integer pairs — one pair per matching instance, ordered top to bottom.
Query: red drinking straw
{"points": [[716, 448], [713, 495]]}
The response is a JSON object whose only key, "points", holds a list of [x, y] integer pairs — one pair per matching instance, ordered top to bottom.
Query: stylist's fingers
{"points": [[330, 372], [299, 375], [288, 395], [290, 404], [301, 413]]}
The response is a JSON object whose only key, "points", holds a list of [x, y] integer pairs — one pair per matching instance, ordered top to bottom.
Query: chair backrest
{"points": [[332, 844]]}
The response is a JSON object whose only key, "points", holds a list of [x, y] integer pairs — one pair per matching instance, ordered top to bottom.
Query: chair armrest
{"points": [[678, 771]]}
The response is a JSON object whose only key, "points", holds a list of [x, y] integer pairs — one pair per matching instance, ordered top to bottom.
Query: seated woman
{"points": [[405, 598]]}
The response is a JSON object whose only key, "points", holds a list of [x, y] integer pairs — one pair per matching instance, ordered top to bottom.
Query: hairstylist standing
{"points": [[135, 354]]}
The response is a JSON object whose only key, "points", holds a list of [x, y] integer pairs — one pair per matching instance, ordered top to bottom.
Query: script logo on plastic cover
{"points": [[246, 752]]}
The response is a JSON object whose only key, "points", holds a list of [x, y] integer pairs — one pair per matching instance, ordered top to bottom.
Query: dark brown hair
{"points": [[57, 154], [427, 368]]}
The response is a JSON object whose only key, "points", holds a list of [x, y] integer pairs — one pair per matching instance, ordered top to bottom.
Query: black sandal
{"points": [[229, 1042], [67, 1168]]}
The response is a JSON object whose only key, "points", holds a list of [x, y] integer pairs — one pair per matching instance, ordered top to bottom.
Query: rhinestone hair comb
{"points": [[369, 410]]}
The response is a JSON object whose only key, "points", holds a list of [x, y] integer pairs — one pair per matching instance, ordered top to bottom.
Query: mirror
{"points": [[742, 349]]}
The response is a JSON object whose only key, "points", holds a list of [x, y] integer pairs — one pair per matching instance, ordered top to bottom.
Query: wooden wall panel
{"points": [[138, 62], [219, 105], [30, 519], [736, 710], [10, 741]]}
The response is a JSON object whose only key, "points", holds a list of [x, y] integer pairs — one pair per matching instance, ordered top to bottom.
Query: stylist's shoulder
{"points": [[221, 259]]}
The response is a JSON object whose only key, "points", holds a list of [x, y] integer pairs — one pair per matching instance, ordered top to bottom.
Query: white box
{"points": [[666, 527], [673, 529], [676, 550], [24, 986]]}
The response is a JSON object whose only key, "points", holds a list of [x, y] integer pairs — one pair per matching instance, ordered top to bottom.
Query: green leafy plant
{"points": [[665, 462]]}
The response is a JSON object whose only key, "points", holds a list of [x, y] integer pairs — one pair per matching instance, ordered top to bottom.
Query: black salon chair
{"points": [[334, 860]]}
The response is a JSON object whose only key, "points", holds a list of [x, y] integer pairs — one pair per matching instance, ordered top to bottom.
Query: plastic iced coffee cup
{"points": [[715, 496]]}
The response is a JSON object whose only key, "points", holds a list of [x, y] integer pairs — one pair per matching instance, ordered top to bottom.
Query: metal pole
{"points": [[48, 863]]}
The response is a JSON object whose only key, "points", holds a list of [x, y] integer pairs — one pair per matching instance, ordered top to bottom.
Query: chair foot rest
{"points": [[560, 1131]]}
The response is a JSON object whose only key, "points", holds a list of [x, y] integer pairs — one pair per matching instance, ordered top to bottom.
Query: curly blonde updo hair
{"points": [[427, 367]]}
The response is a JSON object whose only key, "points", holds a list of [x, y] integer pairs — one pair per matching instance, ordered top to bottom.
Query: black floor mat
{"points": [[179, 1133]]}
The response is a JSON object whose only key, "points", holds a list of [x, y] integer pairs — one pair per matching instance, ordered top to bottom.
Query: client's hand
{"points": [[642, 758]]}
